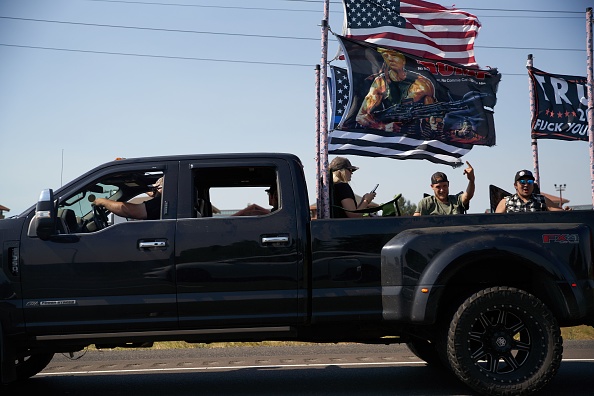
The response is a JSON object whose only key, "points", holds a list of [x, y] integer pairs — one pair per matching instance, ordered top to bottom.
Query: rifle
{"points": [[403, 113]]}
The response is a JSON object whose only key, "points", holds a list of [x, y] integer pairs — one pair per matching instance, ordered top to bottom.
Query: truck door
{"points": [[238, 263], [118, 278]]}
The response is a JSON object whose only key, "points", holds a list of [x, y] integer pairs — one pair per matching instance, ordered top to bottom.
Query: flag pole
{"points": [[590, 91], [317, 122], [534, 141], [324, 201]]}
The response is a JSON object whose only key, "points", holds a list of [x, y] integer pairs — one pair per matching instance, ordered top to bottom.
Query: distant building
{"points": [[581, 207], [2, 210], [252, 210]]}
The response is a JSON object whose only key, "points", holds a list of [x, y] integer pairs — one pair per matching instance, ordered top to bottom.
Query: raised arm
{"points": [[469, 193]]}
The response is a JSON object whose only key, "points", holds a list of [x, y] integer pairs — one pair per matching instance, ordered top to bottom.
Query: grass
{"points": [[568, 333], [578, 333], [183, 344]]}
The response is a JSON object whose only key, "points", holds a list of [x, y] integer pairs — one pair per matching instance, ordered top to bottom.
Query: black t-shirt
{"points": [[341, 191], [153, 208]]}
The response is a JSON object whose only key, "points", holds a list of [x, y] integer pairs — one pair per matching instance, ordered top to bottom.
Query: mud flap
{"points": [[7, 361]]}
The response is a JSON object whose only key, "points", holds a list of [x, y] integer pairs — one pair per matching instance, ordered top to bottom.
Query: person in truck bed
{"points": [[343, 195], [525, 199], [442, 203], [147, 210]]}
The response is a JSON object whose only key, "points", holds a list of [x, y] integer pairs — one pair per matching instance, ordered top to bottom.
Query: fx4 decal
{"points": [[560, 238]]}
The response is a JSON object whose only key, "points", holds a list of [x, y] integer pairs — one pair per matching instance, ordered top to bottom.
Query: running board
{"points": [[148, 334]]}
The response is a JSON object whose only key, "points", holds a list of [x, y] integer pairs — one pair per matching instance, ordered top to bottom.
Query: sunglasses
{"points": [[524, 181]]}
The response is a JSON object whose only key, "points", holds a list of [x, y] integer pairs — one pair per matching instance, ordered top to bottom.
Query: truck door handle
{"points": [[275, 239], [152, 244]]}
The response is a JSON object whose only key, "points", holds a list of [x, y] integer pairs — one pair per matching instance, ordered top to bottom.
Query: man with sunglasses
{"points": [[525, 199]]}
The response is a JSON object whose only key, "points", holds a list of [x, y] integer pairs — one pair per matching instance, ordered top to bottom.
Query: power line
{"points": [[318, 2], [201, 5], [158, 29], [246, 35], [531, 48], [157, 56], [181, 57]]}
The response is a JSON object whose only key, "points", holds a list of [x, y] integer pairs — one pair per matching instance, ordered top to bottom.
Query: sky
{"points": [[83, 82]]}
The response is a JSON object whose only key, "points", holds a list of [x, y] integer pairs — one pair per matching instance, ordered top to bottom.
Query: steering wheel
{"points": [[100, 217]]}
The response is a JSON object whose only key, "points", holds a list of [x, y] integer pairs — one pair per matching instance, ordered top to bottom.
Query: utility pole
{"points": [[560, 188]]}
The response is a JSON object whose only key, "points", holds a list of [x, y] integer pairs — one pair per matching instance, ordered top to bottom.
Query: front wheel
{"points": [[504, 341]]}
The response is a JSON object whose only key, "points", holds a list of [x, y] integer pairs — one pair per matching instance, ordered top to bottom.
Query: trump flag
{"points": [[393, 94], [560, 105], [370, 145]]}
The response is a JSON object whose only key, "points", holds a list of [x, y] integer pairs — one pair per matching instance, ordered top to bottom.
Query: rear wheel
{"points": [[504, 341]]}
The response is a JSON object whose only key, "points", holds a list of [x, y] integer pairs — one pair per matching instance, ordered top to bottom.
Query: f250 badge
{"points": [[560, 238], [50, 303]]}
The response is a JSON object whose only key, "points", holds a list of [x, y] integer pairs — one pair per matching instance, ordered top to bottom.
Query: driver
{"points": [[147, 210]]}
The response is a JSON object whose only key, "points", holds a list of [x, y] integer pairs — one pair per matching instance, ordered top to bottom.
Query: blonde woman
{"points": [[342, 170]]}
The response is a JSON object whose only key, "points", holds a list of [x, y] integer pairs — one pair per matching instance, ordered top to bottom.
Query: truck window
{"points": [[235, 191], [76, 214]]}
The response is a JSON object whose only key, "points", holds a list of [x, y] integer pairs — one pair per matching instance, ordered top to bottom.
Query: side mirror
{"points": [[43, 223]]}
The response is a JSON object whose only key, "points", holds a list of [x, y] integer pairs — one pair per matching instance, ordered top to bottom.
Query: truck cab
{"points": [[81, 275]]}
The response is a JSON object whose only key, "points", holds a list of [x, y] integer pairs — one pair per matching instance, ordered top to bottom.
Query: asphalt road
{"points": [[311, 370]]}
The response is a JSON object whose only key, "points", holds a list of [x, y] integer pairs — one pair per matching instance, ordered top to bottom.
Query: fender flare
{"points": [[439, 253]]}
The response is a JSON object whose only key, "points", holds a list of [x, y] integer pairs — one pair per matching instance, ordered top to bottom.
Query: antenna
{"points": [[62, 169]]}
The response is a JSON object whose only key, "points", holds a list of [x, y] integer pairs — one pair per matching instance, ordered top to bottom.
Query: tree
{"points": [[407, 208]]}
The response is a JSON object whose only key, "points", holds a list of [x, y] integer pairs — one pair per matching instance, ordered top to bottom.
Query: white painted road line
{"points": [[272, 366]]}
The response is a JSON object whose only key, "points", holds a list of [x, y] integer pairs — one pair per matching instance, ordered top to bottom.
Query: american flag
{"points": [[418, 27]]}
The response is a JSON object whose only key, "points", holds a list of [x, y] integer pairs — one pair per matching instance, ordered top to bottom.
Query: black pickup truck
{"points": [[482, 295]]}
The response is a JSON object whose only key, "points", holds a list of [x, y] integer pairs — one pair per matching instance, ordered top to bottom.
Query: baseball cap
{"points": [[339, 163], [523, 174], [438, 177]]}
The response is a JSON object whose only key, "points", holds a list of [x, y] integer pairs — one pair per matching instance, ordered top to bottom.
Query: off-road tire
{"points": [[504, 341]]}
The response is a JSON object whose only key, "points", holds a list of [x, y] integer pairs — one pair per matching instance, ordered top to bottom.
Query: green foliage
{"points": [[407, 208]]}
